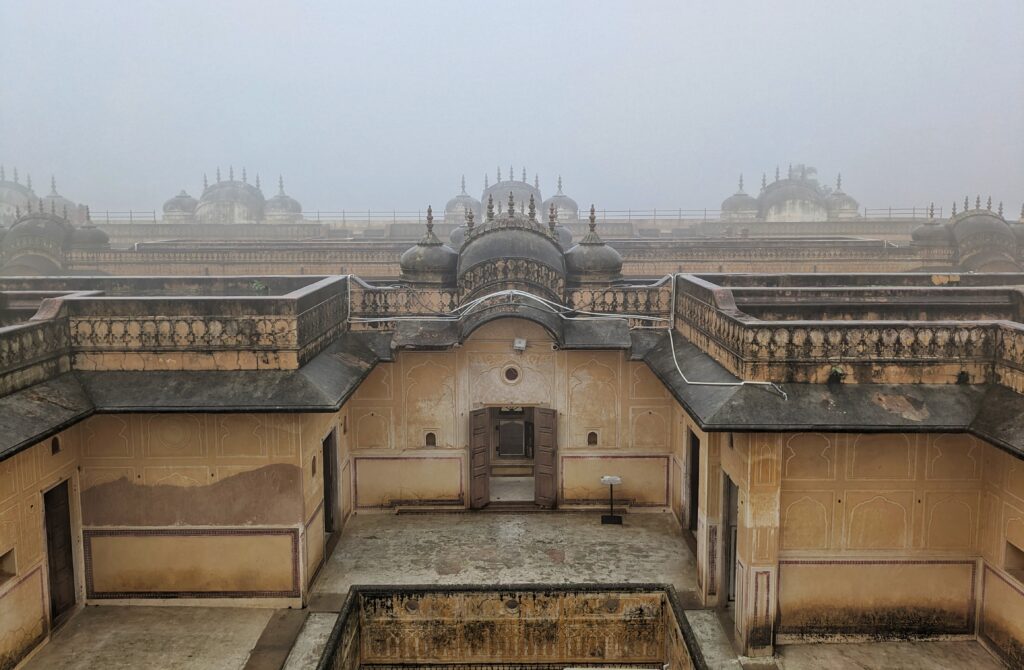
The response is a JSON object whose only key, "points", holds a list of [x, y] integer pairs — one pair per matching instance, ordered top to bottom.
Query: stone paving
{"points": [[512, 548], [114, 636], [930, 655]]}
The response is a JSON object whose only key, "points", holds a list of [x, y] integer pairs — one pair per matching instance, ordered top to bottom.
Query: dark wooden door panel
{"points": [[545, 457], [480, 458], [59, 555]]}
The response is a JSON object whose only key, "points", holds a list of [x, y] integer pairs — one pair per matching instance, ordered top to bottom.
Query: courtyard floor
{"points": [[470, 548]]}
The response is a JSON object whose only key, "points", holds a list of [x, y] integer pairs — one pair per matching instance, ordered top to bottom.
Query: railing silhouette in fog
{"points": [[379, 218]]}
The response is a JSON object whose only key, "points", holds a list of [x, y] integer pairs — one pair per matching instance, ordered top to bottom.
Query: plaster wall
{"points": [[599, 392], [197, 506], [879, 534], [24, 591], [1001, 622]]}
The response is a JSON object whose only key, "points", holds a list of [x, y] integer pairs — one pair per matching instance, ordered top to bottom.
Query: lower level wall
{"points": [[408, 479], [645, 479], [132, 563], [875, 598], [1002, 615], [23, 618]]}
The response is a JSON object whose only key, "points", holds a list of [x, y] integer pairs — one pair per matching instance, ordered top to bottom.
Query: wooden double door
{"points": [[483, 445]]}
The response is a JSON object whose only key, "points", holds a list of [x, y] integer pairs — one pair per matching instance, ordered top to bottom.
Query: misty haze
{"points": [[511, 335]]}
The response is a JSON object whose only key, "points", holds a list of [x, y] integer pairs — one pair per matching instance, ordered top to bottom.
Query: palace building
{"points": [[818, 431]]}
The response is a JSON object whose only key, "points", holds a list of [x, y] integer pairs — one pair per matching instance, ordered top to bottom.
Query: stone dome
{"points": [[521, 192], [14, 196], [792, 200], [231, 201], [56, 203], [181, 204], [841, 205], [739, 206], [282, 207], [565, 207], [455, 209], [933, 232], [88, 236], [457, 236], [985, 241], [36, 243], [511, 249], [592, 259], [430, 260]]}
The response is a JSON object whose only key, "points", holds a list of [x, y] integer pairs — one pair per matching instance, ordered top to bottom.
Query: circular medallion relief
{"points": [[511, 374]]}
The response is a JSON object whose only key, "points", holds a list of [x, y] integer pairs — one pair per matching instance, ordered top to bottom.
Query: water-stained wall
{"points": [[614, 417], [202, 505]]}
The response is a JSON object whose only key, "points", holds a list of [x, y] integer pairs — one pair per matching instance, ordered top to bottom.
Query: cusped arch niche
{"points": [[429, 399]]}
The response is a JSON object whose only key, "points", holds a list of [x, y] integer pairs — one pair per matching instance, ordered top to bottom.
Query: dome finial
{"points": [[231, 173], [511, 173], [776, 173], [218, 174], [499, 174], [789, 174], [524, 175], [245, 177], [258, 181], [536, 181], [764, 181], [839, 182], [206, 183], [741, 183], [280, 184], [486, 184], [559, 184], [53, 185], [464, 185], [977, 202], [967, 203], [511, 204], [988, 204], [490, 207], [954, 208], [533, 209], [1000, 210], [931, 211], [469, 218], [593, 218], [430, 220]]}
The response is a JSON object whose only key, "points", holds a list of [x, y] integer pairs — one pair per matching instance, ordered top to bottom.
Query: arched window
{"points": [[431, 439], [592, 439]]}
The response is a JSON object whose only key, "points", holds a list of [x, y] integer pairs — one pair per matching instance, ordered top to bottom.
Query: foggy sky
{"points": [[637, 104]]}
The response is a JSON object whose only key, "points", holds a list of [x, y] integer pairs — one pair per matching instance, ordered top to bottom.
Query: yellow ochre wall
{"points": [[420, 392], [222, 506], [1002, 585], [24, 595]]}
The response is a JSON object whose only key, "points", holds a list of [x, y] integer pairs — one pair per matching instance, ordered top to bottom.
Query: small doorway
{"points": [[513, 456], [329, 458], [512, 468], [694, 499], [732, 502], [59, 555]]}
